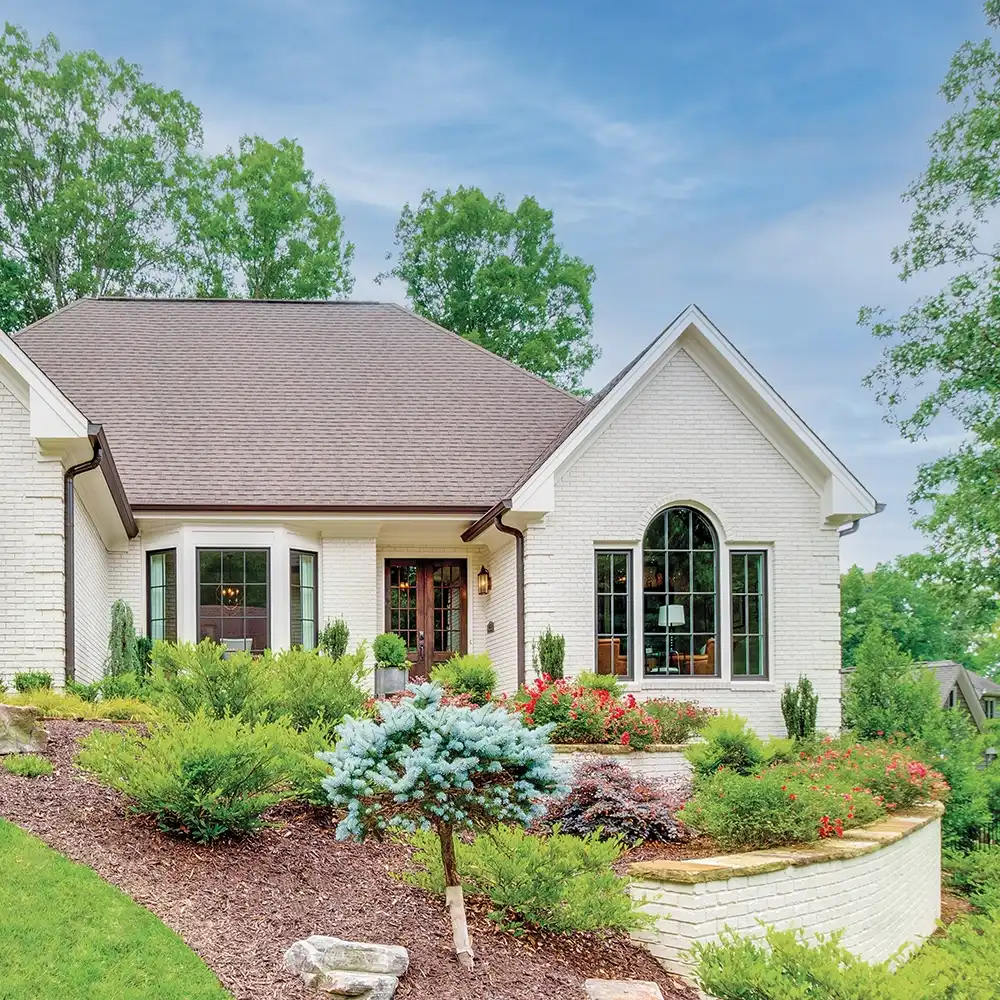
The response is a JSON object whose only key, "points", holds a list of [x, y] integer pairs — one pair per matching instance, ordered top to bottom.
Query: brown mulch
{"points": [[681, 850], [241, 904], [953, 906]]}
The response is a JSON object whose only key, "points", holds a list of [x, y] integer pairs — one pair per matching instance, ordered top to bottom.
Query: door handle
{"points": [[420, 645]]}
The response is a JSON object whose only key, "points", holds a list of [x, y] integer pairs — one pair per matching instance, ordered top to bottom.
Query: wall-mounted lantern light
{"points": [[484, 582]]}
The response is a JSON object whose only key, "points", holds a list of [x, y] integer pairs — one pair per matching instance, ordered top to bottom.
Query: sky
{"points": [[746, 155]]}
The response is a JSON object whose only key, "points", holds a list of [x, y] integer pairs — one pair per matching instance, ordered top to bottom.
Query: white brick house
{"points": [[259, 468]]}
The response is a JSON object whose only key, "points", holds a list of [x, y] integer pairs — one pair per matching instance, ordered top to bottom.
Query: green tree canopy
{"points": [[90, 156], [258, 225], [499, 278], [20, 302], [942, 358], [931, 609]]}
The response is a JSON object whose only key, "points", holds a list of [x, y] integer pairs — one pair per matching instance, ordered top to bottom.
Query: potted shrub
{"points": [[391, 665]]}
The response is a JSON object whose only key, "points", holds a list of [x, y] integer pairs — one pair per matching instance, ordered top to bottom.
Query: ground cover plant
{"points": [[57, 705], [27, 765], [438, 768], [201, 777], [608, 800], [553, 882], [120, 950]]}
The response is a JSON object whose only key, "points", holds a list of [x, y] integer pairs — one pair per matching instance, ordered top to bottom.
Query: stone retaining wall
{"points": [[661, 760], [880, 884]]}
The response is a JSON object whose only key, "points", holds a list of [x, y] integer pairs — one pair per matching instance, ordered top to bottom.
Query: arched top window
{"points": [[680, 563]]}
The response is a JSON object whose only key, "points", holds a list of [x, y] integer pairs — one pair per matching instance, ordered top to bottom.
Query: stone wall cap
{"points": [[617, 749], [856, 842]]}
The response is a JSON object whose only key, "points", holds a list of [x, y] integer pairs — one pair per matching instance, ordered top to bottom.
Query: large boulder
{"points": [[21, 730], [348, 968]]}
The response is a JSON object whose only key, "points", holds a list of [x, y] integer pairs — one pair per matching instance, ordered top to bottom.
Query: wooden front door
{"points": [[425, 603]]}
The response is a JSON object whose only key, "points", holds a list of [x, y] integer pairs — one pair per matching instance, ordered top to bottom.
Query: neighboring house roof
{"points": [[312, 405], [844, 497], [951, 675], [984, 687]]}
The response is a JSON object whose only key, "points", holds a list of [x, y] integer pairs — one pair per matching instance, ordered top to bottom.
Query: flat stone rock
{"points": [[21, 730], [320, 954], [361, 985], [621, 989]]}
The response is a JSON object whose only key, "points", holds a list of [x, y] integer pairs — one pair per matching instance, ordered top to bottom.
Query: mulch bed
{"points": [[681, 850], [241, 904]]}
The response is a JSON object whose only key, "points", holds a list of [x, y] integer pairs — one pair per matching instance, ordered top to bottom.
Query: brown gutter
{"points": [[114, 482], [309, 508], [475, 530], [69, 555]]}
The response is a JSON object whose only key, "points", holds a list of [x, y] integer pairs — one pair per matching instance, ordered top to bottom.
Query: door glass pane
{"points": [[403, 604], [447, 608]]}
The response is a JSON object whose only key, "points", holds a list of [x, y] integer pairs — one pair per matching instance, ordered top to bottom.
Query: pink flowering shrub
{"points": [[679, 720], [606, 797]]}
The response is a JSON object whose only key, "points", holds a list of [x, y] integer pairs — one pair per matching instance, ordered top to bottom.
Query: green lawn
{"points": [[67, 935]]}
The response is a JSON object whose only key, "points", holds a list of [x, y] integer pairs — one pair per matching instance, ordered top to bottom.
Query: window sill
{"points": [[698, 684]]}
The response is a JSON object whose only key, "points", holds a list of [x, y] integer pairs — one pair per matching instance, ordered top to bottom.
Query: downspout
{"points": [[69, 556], [519, 584]]}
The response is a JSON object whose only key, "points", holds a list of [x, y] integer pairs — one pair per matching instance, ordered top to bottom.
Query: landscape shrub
{"points": [[334, 638], [389, 650], [143, 655], [550, 655], [123, 656], [471, 674], [187, 679], [32, 680], [600, 682], [127, 685], [307, 686], [85, 692], [887, 694], [56, 705], [799, 705], [576, 714], [678, 720], [631, 725], [730, 743], [27, 765], [441, 768], [202, 777], [610, 800], [749, 812], [975, 874], [557, 883], [959, 964]]}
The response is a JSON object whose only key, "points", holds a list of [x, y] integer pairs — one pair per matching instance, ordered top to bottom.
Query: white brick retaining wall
{"points": [[662, 760], [880, 885]]}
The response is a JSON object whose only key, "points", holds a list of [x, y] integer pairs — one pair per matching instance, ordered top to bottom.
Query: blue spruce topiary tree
{"points": [[429, 766]]}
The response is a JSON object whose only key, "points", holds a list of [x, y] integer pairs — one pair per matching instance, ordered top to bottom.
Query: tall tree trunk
{"points": [[454, 897]]}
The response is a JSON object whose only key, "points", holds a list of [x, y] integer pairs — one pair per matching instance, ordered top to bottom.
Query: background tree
{"points": [[90, 158], [259, 226], [499, 278], [20, 301], [942, 360], [933, 610]]}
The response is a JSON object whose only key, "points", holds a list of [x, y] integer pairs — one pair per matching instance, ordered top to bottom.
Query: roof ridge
{"points": [[190, 299]]}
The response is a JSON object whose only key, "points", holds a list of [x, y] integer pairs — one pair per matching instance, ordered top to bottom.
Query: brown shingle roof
{"points": [[296, 404]]}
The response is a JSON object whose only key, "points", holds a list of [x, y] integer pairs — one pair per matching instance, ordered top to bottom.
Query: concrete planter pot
{"points": [[390, 680]]}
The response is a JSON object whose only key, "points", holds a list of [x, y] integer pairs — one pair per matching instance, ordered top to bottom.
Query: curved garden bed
{"points": [[880, 885]]}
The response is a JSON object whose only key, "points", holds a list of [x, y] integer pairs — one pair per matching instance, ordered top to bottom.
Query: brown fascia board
{"points": [[114, 482], [287, 508]]}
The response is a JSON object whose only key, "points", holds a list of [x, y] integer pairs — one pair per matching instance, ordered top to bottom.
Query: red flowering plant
{"points": [[585, 714], [629, 724]]}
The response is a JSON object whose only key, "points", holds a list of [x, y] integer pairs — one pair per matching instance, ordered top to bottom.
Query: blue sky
{"points": [[747, 155]]}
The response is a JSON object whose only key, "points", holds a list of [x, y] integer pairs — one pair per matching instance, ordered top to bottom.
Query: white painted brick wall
{"points": [[682, 439], [31, 560], [126, 580], [348, 586], [93, 596], [500, 607], [648, 764], [882, 901]]}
